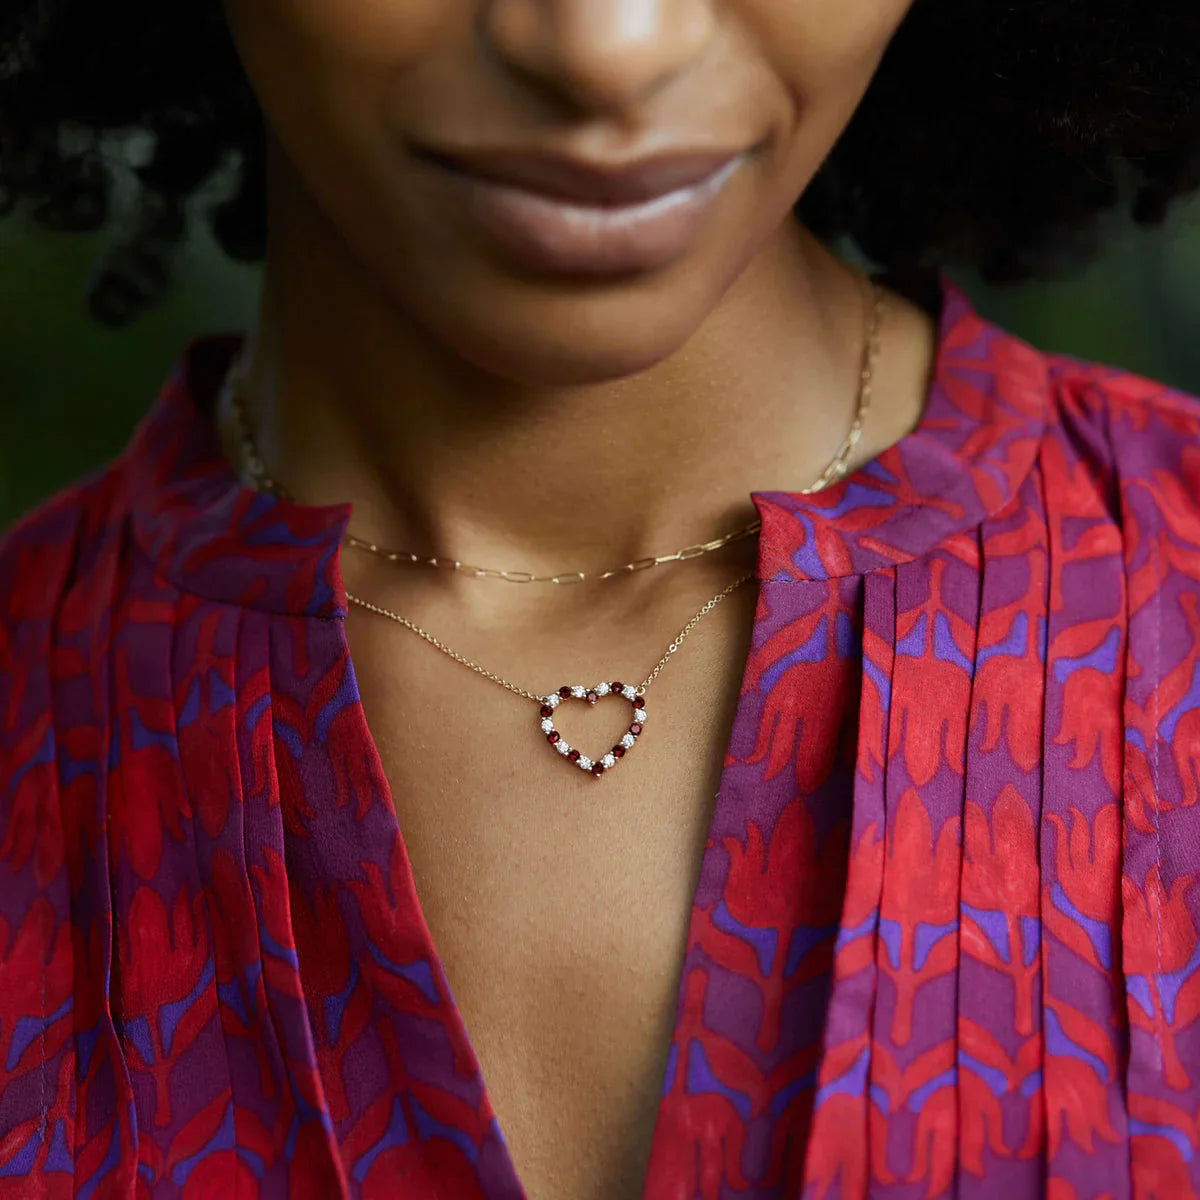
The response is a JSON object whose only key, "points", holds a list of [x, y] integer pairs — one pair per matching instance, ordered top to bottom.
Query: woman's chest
{"points": [[557, 903], [559, 906], [562, 948]]}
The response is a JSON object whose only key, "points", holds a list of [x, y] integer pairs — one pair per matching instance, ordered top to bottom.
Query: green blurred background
{"points": [[74, 390]]}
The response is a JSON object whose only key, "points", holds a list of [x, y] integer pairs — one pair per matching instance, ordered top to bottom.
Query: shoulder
{"points": [[1103, 419], [1147, 425], [1126, 444], [1123, 450], [48, 552], [59, 567]]}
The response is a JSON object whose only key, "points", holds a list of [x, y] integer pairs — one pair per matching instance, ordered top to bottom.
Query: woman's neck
{"points": [[353, 400]]}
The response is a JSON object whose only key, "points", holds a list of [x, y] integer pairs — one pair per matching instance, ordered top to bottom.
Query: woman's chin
{"points": [[562, 336]]}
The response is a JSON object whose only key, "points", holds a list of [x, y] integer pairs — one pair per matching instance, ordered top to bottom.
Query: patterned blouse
{"points": [[944, 940]]}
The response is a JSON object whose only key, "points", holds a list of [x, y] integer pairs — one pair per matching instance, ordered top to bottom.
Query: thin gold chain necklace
{"points": [[235, 383], [549, 703]]}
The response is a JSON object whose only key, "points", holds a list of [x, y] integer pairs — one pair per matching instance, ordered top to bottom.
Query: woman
{"points": [[885, 878]]}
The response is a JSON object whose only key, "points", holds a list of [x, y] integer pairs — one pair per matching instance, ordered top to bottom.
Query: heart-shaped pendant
{"points": [[591, 696]]}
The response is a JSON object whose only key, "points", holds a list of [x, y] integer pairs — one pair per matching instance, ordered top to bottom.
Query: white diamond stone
{"points": [[601, 689], [578, 692], [629, 693], [553, 701], [639, 715], [547, 726], [628, 740], [562, 747], [608, 761], [585, 763]]}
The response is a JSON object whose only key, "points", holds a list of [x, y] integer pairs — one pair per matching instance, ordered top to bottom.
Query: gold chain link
{"points": [[235, 383], [254, 464], [837, 468], [564, 578], [674, 646], [450, 653], [522, 692]]}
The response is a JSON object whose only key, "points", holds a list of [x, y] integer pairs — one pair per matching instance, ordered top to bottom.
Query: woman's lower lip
{"points": [[546, 234]]}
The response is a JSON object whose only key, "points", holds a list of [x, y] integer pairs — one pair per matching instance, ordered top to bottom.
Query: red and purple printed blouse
{"points": [[944, 941]]}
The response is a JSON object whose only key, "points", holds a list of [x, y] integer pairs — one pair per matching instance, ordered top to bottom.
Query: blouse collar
{"points": [[984, 419], [214, 537]]}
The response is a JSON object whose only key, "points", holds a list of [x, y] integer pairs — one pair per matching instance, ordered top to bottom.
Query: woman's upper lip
{"points": [[597, 183]]}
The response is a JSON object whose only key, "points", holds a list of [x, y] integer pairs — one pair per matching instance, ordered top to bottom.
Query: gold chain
{"points": [[235, 383], [836, 469], [566, 577], [522, 692]]}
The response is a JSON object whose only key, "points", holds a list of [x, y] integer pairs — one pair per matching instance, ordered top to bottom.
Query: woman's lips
{"points": [[541, 231]]}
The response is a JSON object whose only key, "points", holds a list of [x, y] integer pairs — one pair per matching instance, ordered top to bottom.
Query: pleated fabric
{"points": [[944, 939]]}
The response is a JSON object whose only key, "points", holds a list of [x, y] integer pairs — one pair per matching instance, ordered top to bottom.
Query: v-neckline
{"points": [[463, 1049]]}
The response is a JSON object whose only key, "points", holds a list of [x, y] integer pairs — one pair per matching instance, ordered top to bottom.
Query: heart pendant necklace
{"points": [[592, 696], [548, 704]]}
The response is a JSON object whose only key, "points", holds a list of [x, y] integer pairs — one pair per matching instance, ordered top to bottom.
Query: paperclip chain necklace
{"points": [[236, 381], [547, 704]]}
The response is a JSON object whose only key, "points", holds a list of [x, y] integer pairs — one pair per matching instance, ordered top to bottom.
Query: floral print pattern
{"points": [[944, 940]]}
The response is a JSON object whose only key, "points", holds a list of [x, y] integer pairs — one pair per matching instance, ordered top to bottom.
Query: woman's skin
{"points": [[530, 421]]}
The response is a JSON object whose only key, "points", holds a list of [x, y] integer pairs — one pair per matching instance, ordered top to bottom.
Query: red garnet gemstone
{"points": [[617, 687], [565, 692], [591, 697], [639, 703], [547, 711], [635, 729], [552, 738], [618, 752], [574, 756], [597, 769]]}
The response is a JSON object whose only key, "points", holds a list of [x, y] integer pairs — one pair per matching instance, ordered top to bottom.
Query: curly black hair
{"points": [[995, 133]]}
